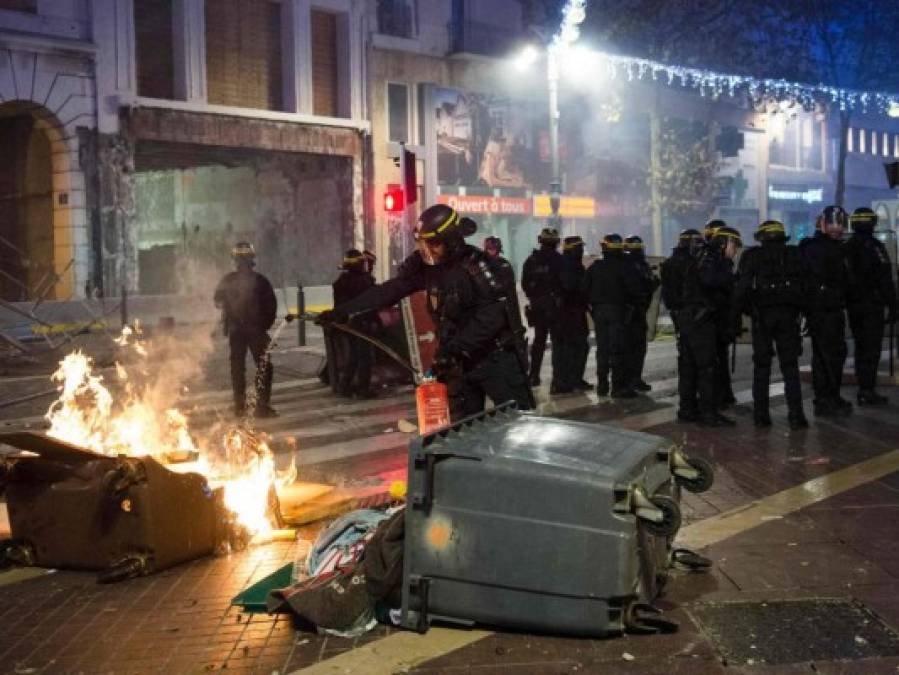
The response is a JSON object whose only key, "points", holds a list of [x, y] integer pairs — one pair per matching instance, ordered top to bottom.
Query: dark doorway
{"points": [[26, 208]]}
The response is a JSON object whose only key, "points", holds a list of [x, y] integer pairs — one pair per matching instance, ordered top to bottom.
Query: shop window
{"points": [[29, 6], [397, 18], [153, 48], [398, 112], [850, 140], [873, 142], [862, 144], [885, 145]]}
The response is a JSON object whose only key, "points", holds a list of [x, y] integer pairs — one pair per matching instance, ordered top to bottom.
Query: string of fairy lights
{"points": [[710, 83]]}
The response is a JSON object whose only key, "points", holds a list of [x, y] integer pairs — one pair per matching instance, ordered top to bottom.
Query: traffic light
{"points": [[410, 179], [393, 199]]}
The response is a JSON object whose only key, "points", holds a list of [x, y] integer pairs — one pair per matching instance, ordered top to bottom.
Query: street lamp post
{"points": [[555, 182]]}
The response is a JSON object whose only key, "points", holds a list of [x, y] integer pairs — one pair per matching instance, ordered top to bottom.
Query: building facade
{"points": [[201, 123]]}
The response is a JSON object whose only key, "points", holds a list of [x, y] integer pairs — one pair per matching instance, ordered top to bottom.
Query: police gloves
{"points": [[332, 316], [444, 366]]}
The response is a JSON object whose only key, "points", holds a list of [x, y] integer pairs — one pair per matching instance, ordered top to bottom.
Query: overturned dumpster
{"points": [[121, 516], [543, 524]]}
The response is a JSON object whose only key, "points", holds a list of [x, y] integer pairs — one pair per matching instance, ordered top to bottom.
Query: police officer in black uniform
{"points": [[493, 247], [635, 251], [825, 261], [673, 273], [541, 281], [708, 283], [771, 290], [613, 291], [871, 292], [249, 307], [573, 341], [480, 350], [354, 376], [723, 385]]}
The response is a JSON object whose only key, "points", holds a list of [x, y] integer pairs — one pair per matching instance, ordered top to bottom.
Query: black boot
{"points": [[870, 397], [761, 419], [797, 420]]}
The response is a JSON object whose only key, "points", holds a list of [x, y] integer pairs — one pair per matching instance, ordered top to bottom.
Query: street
{"points": [[802, 518]]}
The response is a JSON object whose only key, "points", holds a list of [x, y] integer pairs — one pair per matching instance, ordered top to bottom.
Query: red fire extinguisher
{"points": [[432, 403]]}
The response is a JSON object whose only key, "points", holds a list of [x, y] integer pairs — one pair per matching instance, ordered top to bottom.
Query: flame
{"points": [[141, 421]]}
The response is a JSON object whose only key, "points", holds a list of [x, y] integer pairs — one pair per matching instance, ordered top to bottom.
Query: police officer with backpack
{"points": [[635, 251], [825, 259], [673, 274], [541, 281], [708, 283], [771, 289], [613, 291], [872, 301], [481, 353], [354, 374]]}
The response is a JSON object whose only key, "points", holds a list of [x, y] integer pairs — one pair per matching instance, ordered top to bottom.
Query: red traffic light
{"points": [[394, 201]]}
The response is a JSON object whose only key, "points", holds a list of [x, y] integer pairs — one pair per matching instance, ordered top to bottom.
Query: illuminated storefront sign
{"points": [[810, 196]]}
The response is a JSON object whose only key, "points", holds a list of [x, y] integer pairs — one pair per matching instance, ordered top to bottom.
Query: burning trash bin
{"points": [[121, 516]]}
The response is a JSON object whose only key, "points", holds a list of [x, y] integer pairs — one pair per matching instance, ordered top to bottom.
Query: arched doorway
{"points": [[27, 252]]}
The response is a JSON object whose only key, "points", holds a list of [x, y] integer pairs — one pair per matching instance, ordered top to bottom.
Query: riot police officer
{"points": [[493, 247], [828, 272], [673, 273], [541, 281], [708, 282], [771, 290], [613, 291], [871, 291], [249, 307], [637, 329], [572, 341], [480, 350], [354, 372], [725, 392]]}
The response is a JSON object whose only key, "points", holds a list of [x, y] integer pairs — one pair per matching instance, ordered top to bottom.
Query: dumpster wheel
{"points": [[705, 476], [671, 517], [16, 552], [641, 618]]}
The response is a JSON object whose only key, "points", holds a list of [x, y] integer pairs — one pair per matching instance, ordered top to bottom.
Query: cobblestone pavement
{"points": [[833, 540]]}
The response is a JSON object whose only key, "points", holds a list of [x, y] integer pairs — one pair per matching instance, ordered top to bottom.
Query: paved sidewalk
{"points": [[836, 541]]}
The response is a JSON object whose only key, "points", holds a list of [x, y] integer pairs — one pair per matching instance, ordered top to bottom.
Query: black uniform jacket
{"points": [[465, 298], [247, 300]]}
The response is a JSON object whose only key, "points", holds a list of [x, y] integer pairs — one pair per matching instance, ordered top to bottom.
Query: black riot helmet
{"points": [[863, 220], [832, 221], [771, 231], [708, 232], [440, 233], [723, 236], [548, 237], [689, 238], [493, 245], [612, 245], [634, 246], [573, 247], [243, 253], [354, 260]]}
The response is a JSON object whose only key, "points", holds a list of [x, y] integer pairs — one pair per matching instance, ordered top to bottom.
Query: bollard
{"points": [[124, 306], [301, 311]]}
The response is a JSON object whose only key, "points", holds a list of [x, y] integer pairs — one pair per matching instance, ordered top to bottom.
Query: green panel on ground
{"points": [[252, 598]]}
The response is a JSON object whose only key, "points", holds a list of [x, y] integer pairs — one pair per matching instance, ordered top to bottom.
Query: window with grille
{"points": [[397, 18], [153, 48], [243, 53], [325, 76]]}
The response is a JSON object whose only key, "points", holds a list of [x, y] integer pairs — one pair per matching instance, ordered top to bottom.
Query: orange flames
{"points": [[143, 420]]}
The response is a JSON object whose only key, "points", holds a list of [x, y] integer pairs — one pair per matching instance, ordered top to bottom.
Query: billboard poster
{"points": [[486, 140]]}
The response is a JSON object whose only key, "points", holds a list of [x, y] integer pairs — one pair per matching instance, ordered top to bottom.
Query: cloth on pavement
{"points": [[342, 601]]}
